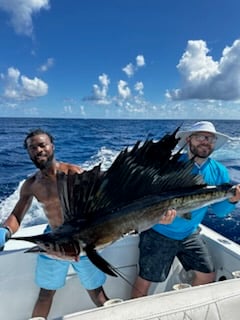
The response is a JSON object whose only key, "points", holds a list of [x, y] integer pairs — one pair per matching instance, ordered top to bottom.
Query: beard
{"points": [[200, 152], [43, 164]]}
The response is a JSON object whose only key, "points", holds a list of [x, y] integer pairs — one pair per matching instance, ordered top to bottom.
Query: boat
{"points": [[218, 300]]}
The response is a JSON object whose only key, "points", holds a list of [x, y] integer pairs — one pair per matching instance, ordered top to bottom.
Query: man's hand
{"points": [[236, 198], [168, 217], [4, 236]]}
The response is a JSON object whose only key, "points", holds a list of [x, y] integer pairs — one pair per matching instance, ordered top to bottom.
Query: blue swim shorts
{"points": [[51, 273]]}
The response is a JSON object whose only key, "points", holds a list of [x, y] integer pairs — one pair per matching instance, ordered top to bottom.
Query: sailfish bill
{"points": [[131, 196]]}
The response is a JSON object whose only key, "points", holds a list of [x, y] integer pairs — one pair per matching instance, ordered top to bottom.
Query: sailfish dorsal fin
{"points": [[146, 169]]}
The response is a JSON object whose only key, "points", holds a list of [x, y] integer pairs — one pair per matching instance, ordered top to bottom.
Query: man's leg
{"points": [[156, 255], [195, 256], [50, 275], [203, 278], [92, 280], [140, 287], [98, 296], [43, 303]]}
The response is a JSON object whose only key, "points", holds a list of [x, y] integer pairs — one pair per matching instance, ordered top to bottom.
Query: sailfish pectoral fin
{"points": [[100, 262]]}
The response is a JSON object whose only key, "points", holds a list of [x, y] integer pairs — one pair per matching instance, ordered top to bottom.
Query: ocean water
{"points": [[90, 142]]}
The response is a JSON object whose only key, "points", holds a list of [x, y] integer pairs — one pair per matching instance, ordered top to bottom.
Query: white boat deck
{"points": [[216, 301]]}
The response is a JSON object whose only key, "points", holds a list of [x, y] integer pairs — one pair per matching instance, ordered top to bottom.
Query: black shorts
{"points": [[157, 253]]}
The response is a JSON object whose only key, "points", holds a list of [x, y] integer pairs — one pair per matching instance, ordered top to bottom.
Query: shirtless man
{"points": [[42, 185]]}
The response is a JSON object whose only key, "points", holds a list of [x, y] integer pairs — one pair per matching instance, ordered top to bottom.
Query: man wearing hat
{"points": [[179, 237]]}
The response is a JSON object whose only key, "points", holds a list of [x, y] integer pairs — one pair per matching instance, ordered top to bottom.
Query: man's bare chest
{"points": [[45, 191]]}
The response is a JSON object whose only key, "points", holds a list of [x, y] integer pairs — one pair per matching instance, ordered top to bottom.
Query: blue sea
{"points": [[93, 141]]}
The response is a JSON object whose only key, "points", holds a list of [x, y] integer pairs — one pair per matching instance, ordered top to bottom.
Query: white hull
{"points": [[18, 291], [217, 301]]}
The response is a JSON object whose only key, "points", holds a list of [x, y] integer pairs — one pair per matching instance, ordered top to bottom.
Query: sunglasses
{"points": [[202, 137]]}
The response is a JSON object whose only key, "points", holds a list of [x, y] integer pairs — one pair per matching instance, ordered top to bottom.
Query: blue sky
{"points": [[146, 59]]}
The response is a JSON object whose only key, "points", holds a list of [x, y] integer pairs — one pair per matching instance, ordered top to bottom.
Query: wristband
{"points": [[9, 233]]}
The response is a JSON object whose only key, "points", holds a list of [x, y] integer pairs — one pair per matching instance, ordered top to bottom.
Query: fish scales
{"points": [[143, 214]]}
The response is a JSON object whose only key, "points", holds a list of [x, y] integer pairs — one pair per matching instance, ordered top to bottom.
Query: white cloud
{"points": [[21, 12], [140, 61], [48, 64], [130, 68], [204, 78], [104, 80], [18, 87], [33, 87], [139, 87], [123, 90], [100, 91], [124, 100], [68, 109], [82, 110]]}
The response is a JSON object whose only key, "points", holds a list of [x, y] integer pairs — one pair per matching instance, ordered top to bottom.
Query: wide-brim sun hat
{"points": [[202, 126]]}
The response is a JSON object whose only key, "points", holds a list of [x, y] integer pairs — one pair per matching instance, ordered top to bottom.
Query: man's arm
{"points": [[15, 218], [12, 223]]}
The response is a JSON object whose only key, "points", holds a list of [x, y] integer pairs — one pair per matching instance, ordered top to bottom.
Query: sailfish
{"points": [[142, 183]]}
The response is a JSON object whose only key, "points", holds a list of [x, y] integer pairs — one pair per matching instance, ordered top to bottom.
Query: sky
{"points": [[123, 59]]}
